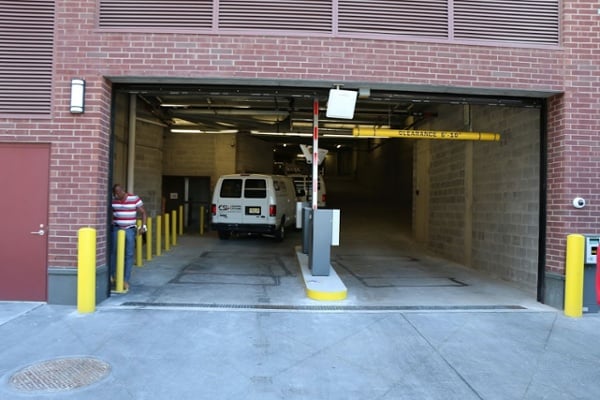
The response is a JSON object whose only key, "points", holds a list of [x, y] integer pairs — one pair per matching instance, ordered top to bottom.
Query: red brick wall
{"points": [[573, 134], [80, 143]]}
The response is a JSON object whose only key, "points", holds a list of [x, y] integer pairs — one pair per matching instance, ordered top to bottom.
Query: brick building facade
{"points": [[565, 75]]}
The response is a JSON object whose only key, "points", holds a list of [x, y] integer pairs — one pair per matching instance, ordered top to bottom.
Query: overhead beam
{"points": [[421, 134]]}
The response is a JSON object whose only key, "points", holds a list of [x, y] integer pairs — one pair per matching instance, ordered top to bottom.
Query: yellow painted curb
{"points": [[322, 288], [326, 296]]}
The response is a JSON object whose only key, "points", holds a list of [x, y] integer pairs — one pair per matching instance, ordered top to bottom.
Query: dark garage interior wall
{"points": [[120, 139], [384, 172], [484, 196]]}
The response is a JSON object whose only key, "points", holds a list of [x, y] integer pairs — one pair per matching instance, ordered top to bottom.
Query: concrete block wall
{"points": [[148, 154], [189, 154], [192, 154], [213, 155], [253, 155], [224, 157], [148, 165], [447, 187], [506, 195], [447, 200], [498, 232]]}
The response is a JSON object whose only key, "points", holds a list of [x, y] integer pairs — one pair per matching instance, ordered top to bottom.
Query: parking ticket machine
{"points": [[590, 283]]}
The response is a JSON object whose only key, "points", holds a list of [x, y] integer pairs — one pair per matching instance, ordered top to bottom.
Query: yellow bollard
{"points": [[180, 220], [202, 220], [174, 227], [158, 233], [167, 233], [149, 239], [138, 246], [120, 268], [86, 270], [574, 275]]}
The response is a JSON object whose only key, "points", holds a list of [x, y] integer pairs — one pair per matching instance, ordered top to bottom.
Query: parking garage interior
{"points": [[474, 203]]}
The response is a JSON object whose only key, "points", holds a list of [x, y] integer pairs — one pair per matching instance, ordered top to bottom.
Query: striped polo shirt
{"points": [[125, 212]]}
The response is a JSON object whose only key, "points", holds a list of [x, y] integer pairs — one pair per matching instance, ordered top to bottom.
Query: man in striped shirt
{"points": [[125, 207]]}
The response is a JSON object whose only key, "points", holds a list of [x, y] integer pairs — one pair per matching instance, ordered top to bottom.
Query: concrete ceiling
{"points": [[272, 110]]}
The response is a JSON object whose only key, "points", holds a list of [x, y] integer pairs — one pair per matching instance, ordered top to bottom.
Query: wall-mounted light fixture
{"points": [[77, 96]]}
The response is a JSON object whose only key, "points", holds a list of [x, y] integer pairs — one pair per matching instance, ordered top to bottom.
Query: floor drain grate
{"points": [[499, 307], [59, 374]]}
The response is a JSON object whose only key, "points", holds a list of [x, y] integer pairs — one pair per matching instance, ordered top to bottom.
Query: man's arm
{"points": [[142, 211]]}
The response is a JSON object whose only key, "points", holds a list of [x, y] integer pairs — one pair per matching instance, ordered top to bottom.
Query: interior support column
{"points": [[131, 143], [468, 188]]}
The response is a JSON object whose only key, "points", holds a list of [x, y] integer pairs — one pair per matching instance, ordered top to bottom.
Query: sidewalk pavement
{"points": [[153, 353]]}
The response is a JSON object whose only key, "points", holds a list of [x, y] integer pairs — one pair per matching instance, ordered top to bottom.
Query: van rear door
{"points": [[228, 201], [254, 201]]}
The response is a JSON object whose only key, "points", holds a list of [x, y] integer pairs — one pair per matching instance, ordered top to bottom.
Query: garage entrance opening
{"points": [[477, 204]]}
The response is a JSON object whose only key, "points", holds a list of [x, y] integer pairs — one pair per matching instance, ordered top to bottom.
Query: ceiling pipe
{"points": [[242, 111]]}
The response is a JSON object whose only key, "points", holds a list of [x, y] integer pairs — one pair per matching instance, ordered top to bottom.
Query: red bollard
{"points": [[597, 277]]}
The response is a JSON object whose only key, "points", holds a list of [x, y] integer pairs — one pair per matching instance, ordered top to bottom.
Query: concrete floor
{"points": [[381, 267]]}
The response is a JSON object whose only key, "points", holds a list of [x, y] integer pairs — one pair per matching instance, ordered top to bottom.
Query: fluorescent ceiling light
{"points": [[213, 107], [338, 125], [352, 126], [187, 130], [280, 133], [330, 135], [338, 136]]}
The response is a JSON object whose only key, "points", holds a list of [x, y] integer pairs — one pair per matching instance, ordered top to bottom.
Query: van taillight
{"points": [[323, 198], [213, 209], [272, 210]]}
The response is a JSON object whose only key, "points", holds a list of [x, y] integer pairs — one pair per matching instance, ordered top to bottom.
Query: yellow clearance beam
{"points": [[414, 134]]}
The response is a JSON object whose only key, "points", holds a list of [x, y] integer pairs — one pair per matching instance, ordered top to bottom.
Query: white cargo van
{"points": [[303, 186], [253, 203]]}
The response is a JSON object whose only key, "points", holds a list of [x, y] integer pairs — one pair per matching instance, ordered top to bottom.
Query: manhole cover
{"points": [[60, 374]]}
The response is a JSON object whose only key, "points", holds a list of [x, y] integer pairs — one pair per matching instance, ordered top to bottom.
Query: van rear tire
{"points": [[280, 234], [224, 235]]}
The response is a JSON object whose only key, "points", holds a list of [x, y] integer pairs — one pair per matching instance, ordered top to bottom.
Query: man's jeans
{"points": [[129, 251]]}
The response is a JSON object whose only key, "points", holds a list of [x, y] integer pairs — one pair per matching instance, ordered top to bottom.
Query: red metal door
{"points": [[24, 179]]}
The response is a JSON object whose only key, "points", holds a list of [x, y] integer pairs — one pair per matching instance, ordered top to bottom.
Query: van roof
{"points": [[299, 174], [246, 175]]}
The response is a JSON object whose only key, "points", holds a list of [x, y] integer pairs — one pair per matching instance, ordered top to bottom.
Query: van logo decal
{"points": [[227, 207]]}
